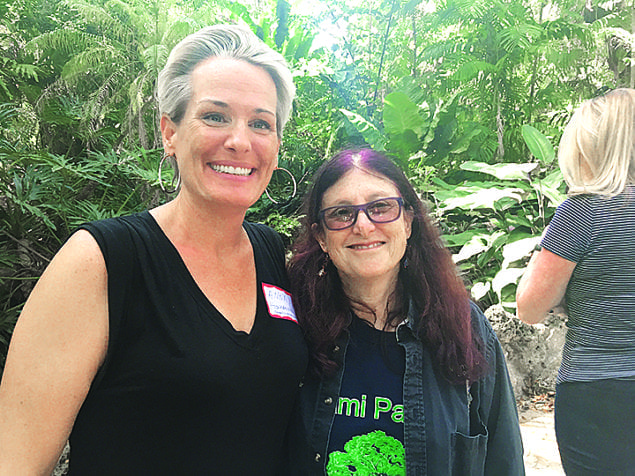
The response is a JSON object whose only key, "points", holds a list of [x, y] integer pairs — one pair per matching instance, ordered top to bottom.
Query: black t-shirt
{"points": [[181, 391], [369, 414]]}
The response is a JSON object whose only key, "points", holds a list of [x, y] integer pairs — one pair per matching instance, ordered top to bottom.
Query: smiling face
{"points": [[226, 145], [366, 251]]}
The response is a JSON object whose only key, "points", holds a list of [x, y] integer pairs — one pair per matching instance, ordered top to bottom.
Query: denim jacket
{"points": [[448, 429]]}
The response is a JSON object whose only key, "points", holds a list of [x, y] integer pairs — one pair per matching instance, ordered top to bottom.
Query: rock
{"points": [[533, 353], [62, 465]]}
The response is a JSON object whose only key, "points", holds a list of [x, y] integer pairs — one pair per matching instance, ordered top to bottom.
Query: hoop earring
{"points": [[176, 178], [295, 187]]}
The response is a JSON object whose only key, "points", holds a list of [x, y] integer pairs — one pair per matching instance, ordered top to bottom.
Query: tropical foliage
{"points": [[470, 96]]}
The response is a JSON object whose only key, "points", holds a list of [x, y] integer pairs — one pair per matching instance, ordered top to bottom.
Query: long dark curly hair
{"points": [[430, 279]]}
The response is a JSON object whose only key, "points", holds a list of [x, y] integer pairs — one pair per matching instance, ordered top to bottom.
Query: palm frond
{"points": [[468, 9], [101, 20], [560, 29], [178, 30], [519, 36], [67, 41], [443, 49], [154, 58], [99, 60], [468, 71]]}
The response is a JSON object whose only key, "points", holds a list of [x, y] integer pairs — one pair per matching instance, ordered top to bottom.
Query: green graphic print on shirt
{"points": [[367, 431], [373, 454]]}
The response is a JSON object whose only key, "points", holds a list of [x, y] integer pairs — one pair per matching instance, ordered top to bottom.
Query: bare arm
{"points": [[543, 286], [58, 344]]}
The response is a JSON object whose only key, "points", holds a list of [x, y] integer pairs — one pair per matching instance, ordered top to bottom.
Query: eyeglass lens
{"points": [[384, 210]]}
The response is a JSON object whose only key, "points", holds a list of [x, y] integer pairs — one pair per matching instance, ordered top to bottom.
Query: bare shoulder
{"points": [[81, 250], [76, 278], [71, 295], [58, 345]]}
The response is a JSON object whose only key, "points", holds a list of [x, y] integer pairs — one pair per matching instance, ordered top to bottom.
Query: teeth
{"points": [[228, 169], [366, 247]]}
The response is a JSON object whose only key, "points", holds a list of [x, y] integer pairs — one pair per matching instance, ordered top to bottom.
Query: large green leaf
{"points": [[468, 71], [401, 114], [367, 129], [472, 133], [405, 145], [539, 145], [501, 171], [550, 187], [473, 197], [460, 239], [475, 246], [520, 249], [505, 277], [479, 290]]}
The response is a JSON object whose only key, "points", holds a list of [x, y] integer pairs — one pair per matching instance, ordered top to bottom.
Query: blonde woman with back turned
{"points": [[587, 265]]}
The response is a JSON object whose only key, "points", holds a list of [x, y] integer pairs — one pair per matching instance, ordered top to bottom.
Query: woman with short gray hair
{"points": [[229, 41], [166, 342]]}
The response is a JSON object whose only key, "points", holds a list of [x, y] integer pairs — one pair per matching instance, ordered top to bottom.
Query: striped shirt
{"points": [[598, 234]]}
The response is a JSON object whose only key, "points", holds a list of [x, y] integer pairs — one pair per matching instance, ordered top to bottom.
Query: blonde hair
{"points": [[597, 150]]}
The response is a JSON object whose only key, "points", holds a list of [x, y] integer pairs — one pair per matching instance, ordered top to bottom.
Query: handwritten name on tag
{"points": [[279, 302]]}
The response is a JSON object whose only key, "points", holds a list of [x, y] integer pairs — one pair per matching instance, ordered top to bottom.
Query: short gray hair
{"points": [[174, 88]]}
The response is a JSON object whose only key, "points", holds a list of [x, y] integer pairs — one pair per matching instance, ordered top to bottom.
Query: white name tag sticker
{"points": [[279, 302]]}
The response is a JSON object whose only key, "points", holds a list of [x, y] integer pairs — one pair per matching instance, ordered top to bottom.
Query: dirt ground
{"points": [[539, 437]]}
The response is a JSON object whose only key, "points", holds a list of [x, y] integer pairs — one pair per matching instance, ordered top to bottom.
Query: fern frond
{"points": [[120, 8], [471, 9], [101, 20], [610, 20], [178, 30], [563, 30], [519, 36], [67, 41], [443, 49], [154, 58], [101, 60], [10, 67], [469, 71], [136, 90], [108, 91], [5, 93]]}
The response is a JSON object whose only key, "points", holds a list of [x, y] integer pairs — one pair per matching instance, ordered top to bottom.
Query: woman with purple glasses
{"points": [[407, 376]]}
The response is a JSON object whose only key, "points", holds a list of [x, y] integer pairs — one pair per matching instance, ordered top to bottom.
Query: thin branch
{"points": [[383, 48], [414, 48], [11, 237]]}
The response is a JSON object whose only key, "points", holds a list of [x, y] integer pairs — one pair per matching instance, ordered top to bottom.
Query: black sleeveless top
{"points": [[181, 391]]}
